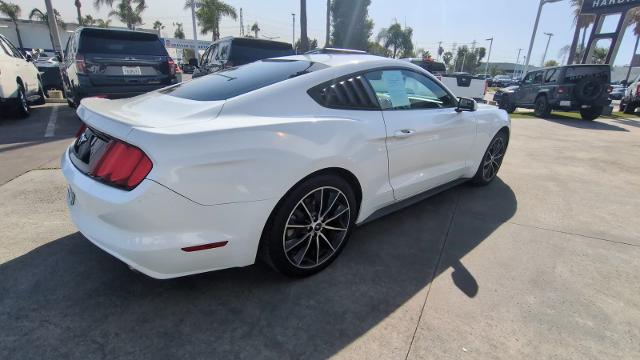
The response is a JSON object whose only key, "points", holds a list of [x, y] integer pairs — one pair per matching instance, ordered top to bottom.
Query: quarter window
{"points": [[551, 77], [403, 89]]}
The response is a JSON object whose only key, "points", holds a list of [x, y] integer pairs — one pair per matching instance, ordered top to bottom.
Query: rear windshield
{"points": [[121, 42], [242, 54], [573, 74], [241, 80]]}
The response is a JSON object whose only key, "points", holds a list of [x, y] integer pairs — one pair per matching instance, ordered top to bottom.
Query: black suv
{"points": [[231, 51], [114, 64], [583, 88]]}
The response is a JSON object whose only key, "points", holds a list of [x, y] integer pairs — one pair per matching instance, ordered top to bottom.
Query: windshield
{"points": [[120, 42], [243, 79]]}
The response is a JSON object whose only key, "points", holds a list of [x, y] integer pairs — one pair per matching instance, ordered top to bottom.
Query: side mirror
{"points": [[59, 56], [29, 57], [193, 62], [466, 104]]}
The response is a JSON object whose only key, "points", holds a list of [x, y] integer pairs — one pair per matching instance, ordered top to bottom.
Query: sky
{"points": [[509, 22]]}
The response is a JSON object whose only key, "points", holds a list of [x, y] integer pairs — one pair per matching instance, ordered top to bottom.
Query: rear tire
{"points": [[542, 108], [629, 108], [591, 113], [492, 160], [305, 234]]}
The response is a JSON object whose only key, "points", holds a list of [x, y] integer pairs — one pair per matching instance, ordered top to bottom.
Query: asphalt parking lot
{"points": [[544, 263]]}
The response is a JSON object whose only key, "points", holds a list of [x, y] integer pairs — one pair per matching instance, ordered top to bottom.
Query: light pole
{"points": [[53, 28], [195, 31], [294, 31], [533, 35], [547, 48], [486, 69]]}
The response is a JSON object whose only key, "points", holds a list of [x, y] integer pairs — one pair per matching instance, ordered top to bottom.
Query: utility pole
{"points": [[241, 24], [53, 28], [195, 31], [294, 31], [546, 49], [486, 69], [516, 71]]}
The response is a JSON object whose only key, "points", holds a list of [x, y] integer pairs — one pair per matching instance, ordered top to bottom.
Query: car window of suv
{"points": [[5, 47], [12, 49], [223, 51], [551, 76], [240, 80], [403, 89]]}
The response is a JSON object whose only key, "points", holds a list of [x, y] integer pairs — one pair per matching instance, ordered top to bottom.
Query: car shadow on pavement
{"points": [[577, 122], [628, 122], [68, 299]]}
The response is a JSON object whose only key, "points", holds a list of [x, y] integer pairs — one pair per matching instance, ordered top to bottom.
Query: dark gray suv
{"points": [[583, 88]]}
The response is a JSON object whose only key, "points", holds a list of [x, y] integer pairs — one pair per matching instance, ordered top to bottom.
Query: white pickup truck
{"points": [[461, 84]]}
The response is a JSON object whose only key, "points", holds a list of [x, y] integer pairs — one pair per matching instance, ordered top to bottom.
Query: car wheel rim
{"points": [[23, 101], [493, 159], [316, 227]]}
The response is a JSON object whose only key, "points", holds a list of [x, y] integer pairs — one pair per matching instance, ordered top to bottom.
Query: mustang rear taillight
{"points": [[122, 165]]}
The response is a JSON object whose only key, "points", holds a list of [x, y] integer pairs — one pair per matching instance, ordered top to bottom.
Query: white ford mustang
{"points": [[281, 157]]}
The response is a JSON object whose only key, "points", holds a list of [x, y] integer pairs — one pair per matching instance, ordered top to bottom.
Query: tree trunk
{"points": [[18, 34], [328, 36], [304, 40], [635, 50]]}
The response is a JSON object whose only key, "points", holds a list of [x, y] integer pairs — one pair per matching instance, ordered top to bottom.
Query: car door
{"points": [[23, 69], [529, 88], [428, 142]]}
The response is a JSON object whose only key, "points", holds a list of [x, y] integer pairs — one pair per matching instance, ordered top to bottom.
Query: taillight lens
{"points": [[81, 66], [172, 66], [609, 89], [561, 90], [638, 90], [122, 165]]}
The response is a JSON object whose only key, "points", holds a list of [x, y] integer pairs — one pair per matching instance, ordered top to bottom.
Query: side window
{"points": [[5, 48], [12, 50], [223, 51], [212, 54], [203, 60], [551, 76], [533, 78], [528, 79], [537, 79], [402, 89]]}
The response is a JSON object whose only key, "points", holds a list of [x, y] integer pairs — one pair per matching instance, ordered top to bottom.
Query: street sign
{"points": [[607, 6]]}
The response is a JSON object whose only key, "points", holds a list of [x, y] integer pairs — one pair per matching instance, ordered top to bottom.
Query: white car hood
{"points": [[153, 110]]}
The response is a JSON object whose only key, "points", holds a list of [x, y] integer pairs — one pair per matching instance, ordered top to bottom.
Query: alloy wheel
{"points": [[23, 100], [493, 159], [316, 227]]}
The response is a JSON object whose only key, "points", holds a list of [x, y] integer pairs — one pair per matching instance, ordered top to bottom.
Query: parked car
{"points": [[235, 51], [114, 64], [48, 65], [189, 67], [434, 67], [19, 80], [502, 81], [583, 88], [617, 92], [631, 99], [280, 158]]}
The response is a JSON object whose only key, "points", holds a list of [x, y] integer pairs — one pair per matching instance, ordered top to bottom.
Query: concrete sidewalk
{"points": [[543, 263]]}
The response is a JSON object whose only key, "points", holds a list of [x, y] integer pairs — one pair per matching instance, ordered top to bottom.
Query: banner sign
{"points": [[608, 6], [185, 44]]}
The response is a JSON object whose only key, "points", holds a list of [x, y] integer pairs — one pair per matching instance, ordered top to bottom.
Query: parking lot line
{"points": [[51, 125]]}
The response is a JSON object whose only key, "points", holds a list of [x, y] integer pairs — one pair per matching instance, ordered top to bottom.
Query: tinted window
{"points": [[121, 42], [223, 51], [241, 54], [573, 74], [551, 77], [533, 78], [243, 79], [401, 89]]}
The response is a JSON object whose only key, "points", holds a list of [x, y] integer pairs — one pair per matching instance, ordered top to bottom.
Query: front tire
{"points": [[23, 108], [542, 108], [591, 113], [492, 160], [310, 226]]}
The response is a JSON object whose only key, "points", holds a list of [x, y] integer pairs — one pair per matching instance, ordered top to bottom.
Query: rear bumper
{"points": [[572, 105], [147, 227]]}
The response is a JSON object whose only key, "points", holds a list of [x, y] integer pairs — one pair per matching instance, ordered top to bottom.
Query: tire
{"points": [[589, 89], [43, 98], [506, 105], [22, 107], [542, 108], [629, 108], [591, 113], [492, 160], [298, 243]]}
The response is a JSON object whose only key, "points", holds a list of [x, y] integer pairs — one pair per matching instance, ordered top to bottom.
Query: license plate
{"points": [[131, 70], [565, 103], [71, 196]]}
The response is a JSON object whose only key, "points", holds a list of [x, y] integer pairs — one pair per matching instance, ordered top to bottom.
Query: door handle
{"points": [[404, 133]]}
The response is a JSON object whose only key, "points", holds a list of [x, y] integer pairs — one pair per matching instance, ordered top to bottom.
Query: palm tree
{"points": [[78, 6], [12, 11], [128, 12], [210, 13], [634, 16], [44, 17], [88, 20], [582, 22], [103, 23], [157, 25], [255, 28], [179, 32], [328, 35], [304, 40], [396, 40], [563, 52]]}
